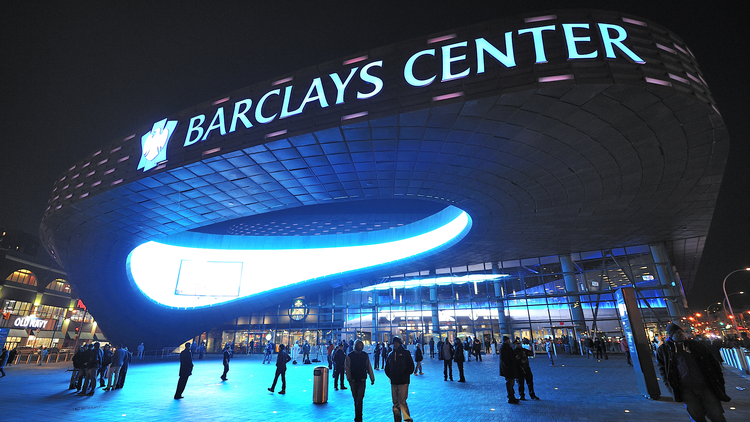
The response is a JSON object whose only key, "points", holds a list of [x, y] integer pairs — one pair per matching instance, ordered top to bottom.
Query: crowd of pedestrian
{"points": [[93, 363]]}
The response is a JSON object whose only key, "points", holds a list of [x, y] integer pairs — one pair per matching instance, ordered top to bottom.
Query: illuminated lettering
{"points": [[571, 41], [609, 42], [541, 57], [448, 59], [507, 59], [454, 63], [409, 69], [370, 79], [316, 86], [341, 86], [259, 108], [240, 115], [216, 123], [195, 128], [30, 322]]}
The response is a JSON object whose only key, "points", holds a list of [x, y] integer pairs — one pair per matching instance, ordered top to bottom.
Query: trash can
{"points": [[320, 384]]}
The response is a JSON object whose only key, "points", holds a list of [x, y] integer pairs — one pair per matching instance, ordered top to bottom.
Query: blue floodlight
{"points": [[184, 272]]}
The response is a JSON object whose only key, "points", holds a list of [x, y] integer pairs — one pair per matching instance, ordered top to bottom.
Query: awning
{"points": [[17, 333], [49, 334], [84, 336], [100, 337]]}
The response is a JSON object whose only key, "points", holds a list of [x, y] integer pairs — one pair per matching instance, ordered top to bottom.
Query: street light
{"points": [[726, 296]]}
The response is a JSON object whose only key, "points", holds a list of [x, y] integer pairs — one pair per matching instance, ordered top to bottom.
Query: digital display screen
{"points": [[209, 278]]}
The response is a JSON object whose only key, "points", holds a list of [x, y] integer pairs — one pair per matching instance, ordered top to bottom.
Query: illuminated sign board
{"points": [[457, 60], [210, 276], [30, 322]]}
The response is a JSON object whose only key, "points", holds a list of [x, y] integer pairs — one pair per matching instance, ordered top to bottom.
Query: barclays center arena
{"points": [[502, 178]]}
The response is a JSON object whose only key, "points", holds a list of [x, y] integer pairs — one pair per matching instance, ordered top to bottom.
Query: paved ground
{"points": [[577, 389]]}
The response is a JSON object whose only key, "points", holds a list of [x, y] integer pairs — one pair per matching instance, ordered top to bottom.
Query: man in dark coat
{"points": [[432, 348], [477, 349], [446, 354], [376, 355], [227, 357], [418, 357], [458, 357], [281, 359], [339, 360], [92, 361], [399, 368], [508, 368], [357, 369], [186, 370], [524, 371], [692, 375]]}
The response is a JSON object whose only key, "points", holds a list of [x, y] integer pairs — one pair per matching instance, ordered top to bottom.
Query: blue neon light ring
{"points": [[194, 270]]}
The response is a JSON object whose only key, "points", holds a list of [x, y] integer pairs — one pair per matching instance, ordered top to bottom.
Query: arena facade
{"points": [[538, 162]]}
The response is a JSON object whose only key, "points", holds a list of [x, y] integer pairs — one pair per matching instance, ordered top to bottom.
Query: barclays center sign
{"points": [[364, 78]]}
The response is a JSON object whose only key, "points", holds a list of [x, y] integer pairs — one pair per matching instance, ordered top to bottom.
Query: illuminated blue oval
{"points": [[190, 269]]}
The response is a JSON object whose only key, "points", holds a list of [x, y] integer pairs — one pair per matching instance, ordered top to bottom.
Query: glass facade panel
{"points": [[463, 301]]}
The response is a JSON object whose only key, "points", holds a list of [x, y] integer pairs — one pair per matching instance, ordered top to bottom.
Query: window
{"points": [[23, 276], [59, 285]]}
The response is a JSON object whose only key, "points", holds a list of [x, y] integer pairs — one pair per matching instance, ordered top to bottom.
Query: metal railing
{"points": [[737, 357], [28, 358]]}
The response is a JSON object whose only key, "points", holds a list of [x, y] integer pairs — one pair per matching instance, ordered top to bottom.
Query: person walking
{"points": [[589, 344], [548, 347], [599, 347], [432, 348], [140, 349], [477, 349], [296, 351], [384, 351], [43, 352], [306, 352], [106, 353], [446, 354], [12, 355], [376, 355], [227, 357], [418, 357], [458, 357], [118, 358], [4, 360], [281, 360], [339, 361], [124, 368], [357, 368], [399, 368], [508, 368], [186, 370], [524, 372], [692, 375], [76, 376]]}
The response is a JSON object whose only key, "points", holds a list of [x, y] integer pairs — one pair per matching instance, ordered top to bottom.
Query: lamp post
{"points": [[726, 296], [725, 301]]}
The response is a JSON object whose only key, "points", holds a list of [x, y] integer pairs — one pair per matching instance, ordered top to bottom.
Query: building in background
{"points": [[39, 307]]}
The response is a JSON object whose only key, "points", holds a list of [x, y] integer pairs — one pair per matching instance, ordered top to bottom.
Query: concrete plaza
{"points": [[576, 389]]}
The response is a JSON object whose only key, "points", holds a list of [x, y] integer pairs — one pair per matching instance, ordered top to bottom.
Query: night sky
{"points": [[78, 75]]}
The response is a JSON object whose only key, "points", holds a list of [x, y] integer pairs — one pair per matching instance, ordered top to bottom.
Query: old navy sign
{"points": [[423, 68], [30, 322]]}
